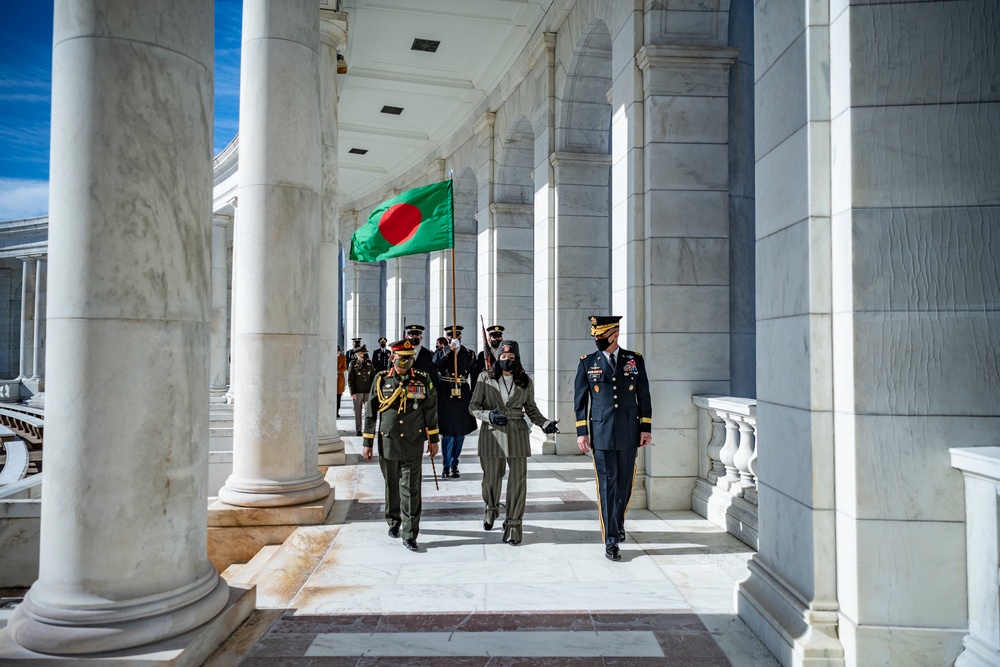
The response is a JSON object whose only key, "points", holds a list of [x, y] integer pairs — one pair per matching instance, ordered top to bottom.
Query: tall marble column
{"points": [[333, 36], [220, 280], [130, 290], [233, 296], [363, 296], [406, 296], [27, 315], [38, 345], [275, 432]]}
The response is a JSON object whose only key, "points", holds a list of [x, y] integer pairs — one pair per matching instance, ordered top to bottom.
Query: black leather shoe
{"points": [[454, 472], [487, 525], [393, 531], [621, 535], [513, 543], [410, 544], [612, 553]]}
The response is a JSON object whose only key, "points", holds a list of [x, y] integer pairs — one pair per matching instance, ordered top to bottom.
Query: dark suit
{"points": [[380, 359], [425, 362], [480, 365], [619, 411]]}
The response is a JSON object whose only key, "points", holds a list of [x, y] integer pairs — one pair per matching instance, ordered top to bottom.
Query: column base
{"points": [[217, 395], [331, 451], [239, 495], [737, 516], [71, 632], [794, 633], [189, 649], [978, 654]]}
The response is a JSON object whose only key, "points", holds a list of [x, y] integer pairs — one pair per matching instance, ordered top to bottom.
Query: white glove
{"points": [[454, 344]]}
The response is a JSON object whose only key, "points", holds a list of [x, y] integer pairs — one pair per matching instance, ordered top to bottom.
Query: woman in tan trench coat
{"points": [[502, 397]]}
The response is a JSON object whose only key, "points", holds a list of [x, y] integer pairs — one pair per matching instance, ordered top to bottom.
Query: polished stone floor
{"points": [[348, 594]]}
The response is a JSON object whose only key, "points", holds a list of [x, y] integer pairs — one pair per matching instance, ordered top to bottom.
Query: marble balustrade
{"points": [[980, 467], [726, 491]]}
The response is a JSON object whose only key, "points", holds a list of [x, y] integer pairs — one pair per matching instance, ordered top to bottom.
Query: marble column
{"points": [[333, 36], [29, 265], [220, 284], [363, 296], [406, 296], [513, 298], [38, 344], [231, 392], [275, 434], [123, 543]]}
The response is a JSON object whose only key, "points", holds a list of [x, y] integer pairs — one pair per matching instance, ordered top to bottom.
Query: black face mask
{"points": [[414, 341], [495, 343], [602, 343], [508, 364]]}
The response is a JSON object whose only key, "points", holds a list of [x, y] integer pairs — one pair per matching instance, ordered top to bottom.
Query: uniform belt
{"points": [[451, 378]]}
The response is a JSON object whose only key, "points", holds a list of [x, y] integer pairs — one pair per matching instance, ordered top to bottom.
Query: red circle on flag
{"points": [[399, 223]]}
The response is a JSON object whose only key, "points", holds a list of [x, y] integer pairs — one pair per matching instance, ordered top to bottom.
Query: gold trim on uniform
{"points": [[601, 329], [646, 420], [582, 422], [432, 431], [369, 436]]}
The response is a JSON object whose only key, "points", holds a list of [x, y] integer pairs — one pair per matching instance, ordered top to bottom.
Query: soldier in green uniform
{"points": [[402, 409]]}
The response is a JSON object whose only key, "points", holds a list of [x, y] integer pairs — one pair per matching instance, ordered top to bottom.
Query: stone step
{"points": [[247, 573]]}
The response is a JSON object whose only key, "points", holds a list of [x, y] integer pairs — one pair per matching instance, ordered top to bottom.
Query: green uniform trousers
{"points": [[517, 492], [402, 495]]}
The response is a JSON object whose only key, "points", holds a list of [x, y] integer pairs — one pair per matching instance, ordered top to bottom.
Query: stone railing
{"points": [[981, 468], [726, 493]]}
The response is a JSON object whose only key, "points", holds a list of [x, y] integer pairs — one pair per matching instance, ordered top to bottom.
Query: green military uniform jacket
{"points": [[402, 410]]}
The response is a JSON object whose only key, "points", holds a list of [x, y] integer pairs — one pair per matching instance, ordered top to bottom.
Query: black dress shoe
{"points": [[454, 472], [487, 525], [393, 531], [621, 535], [513, 543], [410, 544], [612, 553]]}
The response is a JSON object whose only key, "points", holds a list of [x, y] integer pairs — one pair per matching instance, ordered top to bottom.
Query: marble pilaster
{"points": [[333, 36], [680, 250], [28, 268], [440, 278], [220, 284], [129, 290], [513, 297], [38, 344], [275, 434]]}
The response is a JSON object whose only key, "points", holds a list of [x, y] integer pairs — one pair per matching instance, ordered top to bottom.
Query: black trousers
{"points": [[615, 469]]}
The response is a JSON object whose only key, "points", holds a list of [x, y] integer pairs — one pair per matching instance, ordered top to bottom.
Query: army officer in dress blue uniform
{"points": [[612, 382]]}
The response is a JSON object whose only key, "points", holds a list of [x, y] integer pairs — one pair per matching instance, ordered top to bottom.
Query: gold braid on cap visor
{"points": [[601, 329]]}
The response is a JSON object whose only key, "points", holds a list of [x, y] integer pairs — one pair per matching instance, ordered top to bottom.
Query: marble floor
{"points": [[348, 594]]}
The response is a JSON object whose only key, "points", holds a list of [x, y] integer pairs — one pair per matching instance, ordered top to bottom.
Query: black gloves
{"points": [[498, 418], [551, 428]]}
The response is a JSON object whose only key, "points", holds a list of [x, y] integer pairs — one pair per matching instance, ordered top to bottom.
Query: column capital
{"points": [[333, 27], [685, 70], [484, 122], [564, 158], [234, 202], [219, 220]]}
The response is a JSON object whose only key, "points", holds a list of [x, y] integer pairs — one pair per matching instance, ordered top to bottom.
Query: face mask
{"points": [[414, 341], [495, 343], [602, 343], [404, 363], [508, 364]]}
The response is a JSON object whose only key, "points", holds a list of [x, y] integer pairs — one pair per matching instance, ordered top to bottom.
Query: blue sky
{"points": [[26, 94]]}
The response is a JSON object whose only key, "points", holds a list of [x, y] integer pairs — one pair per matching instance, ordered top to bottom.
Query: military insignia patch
{"points": [[596, 389]]}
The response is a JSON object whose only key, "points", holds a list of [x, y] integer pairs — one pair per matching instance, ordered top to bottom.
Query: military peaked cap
{"points": [[601, 324], [415, 329], [453, 329], [495, 329], [403, 347]]}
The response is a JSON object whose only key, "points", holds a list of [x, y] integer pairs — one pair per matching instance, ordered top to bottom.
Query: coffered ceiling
{"points": [[479, 41]]}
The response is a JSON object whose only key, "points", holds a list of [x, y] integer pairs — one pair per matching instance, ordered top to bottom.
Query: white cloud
{"points": [[21, 198]]}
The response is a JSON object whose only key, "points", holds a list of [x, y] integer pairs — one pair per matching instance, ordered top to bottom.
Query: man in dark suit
{"points": [[488, 357], [380, 358], [424, 358], [612, 382], [454, 394]]}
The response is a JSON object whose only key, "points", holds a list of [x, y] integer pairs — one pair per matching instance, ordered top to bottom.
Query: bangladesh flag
{"points": [[418, 220]]}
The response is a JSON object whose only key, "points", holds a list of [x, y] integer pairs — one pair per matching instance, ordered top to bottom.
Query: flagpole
{"points": [[457, 389]]}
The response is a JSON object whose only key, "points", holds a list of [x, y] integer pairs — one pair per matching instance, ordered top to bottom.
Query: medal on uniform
{"points": [[596, 389]]}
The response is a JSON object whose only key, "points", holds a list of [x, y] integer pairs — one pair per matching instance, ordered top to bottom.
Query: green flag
{"points": [[418, 220]]}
